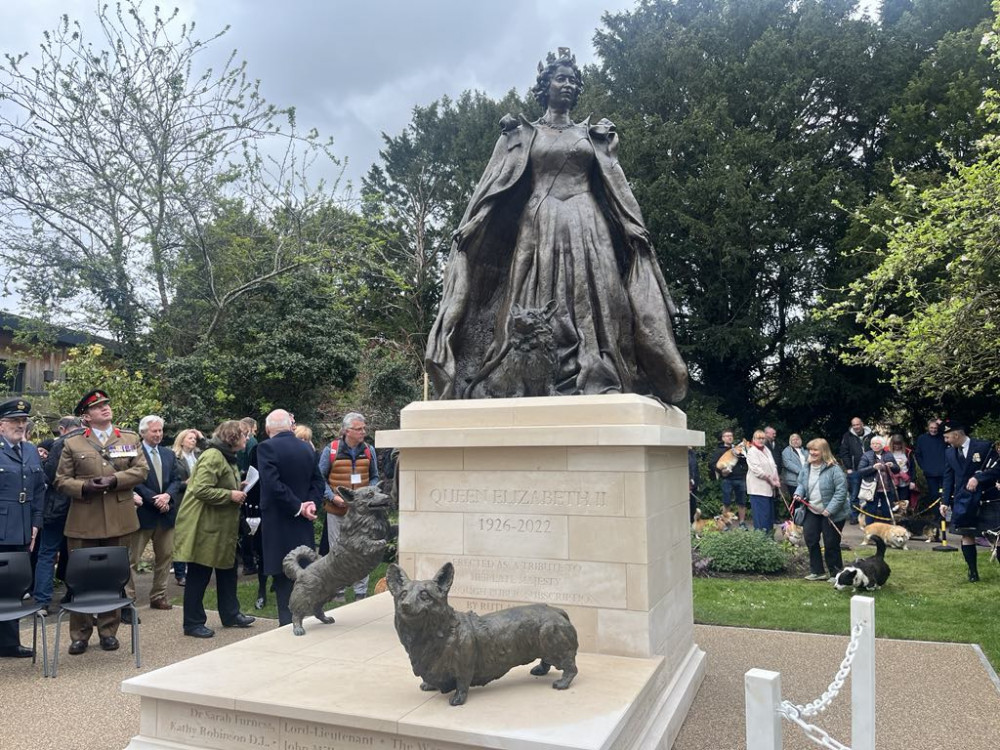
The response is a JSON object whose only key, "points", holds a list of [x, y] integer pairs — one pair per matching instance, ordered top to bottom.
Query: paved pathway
{"points": [[930, 695]]}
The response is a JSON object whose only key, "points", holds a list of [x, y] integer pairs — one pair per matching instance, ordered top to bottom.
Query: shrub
{"points": [[742, 552]]}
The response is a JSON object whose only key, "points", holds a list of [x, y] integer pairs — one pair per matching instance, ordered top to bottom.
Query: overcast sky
{"points": [[355, 68]]}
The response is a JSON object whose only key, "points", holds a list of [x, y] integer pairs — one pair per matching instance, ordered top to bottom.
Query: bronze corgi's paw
{"points": [[540, 669]]}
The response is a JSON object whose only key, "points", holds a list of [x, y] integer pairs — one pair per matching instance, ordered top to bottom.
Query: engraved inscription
{"points": [[501, 492], [446, 497], [516, 525], [515, 536], [510, 579], [216, 728], [301, 735]]}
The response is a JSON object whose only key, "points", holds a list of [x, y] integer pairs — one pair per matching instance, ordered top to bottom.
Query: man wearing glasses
{"points": [[347, 462]]}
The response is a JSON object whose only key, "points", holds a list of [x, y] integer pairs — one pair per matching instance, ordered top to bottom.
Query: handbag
{"points": [[866, 493], [799, 515]]}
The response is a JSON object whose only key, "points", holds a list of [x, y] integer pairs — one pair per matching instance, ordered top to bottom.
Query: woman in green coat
{"points": [[207, 529]]}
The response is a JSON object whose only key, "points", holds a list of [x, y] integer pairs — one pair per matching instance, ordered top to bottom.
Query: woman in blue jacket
{"points": [[822, 488]]}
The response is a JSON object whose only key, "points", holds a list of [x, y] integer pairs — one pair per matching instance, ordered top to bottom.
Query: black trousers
{"points": [[817, 526], [198, 577], [283, 592], [9, 631]]}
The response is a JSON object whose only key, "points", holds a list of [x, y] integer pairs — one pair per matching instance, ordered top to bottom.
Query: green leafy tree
{"points": [[116, 152], [414, 199], [930, 303], [288, 345], [133, 393]]}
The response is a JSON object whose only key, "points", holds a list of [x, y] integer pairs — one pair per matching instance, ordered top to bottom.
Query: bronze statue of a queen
{"points": [[553, 235]]}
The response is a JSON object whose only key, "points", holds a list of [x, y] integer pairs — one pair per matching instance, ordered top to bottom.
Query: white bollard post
{"points": [[863, 675], [763, 696]]}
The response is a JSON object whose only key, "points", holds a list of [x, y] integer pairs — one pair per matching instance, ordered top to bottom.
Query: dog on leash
{"points": [[701, 525], [791, 533], [892, 535], [360, 548], [867, 573], [452, 650]]}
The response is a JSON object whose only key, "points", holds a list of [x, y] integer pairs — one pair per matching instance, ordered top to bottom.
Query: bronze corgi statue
{"points": [[358, 551], [452, 650]]}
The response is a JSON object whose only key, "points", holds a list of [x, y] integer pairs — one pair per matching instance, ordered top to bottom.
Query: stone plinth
{"points": [[580, 502], [349, 686]]}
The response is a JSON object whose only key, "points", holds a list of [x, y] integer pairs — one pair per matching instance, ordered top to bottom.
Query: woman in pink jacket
{"points": [[762, 480]]}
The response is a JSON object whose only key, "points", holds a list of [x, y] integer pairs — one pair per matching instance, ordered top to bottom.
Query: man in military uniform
{"points": [[98, 469], [971, 471], [22, 499]]}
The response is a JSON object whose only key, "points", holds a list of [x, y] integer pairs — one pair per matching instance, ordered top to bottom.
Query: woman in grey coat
{"points": [[793, 458], [822, 488]]}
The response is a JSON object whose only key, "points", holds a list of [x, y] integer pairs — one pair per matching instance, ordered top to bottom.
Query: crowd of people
{"points": [[871, 478], [204, 504]]}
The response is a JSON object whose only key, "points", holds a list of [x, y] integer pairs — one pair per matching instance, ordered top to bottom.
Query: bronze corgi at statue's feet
{"points": [[452, 650]]}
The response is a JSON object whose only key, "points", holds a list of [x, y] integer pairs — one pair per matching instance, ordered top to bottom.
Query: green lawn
{"points": [[247, 592], [927, 598]]}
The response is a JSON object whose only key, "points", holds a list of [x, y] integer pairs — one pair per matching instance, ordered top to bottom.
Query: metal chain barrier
{"points": [[797, 714]]}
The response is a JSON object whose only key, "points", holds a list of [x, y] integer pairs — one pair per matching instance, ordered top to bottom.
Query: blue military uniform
{"points": [[22, 500], [974, 511]]}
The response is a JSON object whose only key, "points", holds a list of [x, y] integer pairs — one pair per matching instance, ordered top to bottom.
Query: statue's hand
{"points": [[603, 129]]}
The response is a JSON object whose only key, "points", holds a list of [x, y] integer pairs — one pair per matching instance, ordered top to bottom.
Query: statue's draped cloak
{"points": [[469, 336]]}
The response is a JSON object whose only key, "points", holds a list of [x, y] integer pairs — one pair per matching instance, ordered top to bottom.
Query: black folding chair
{"points": [[15, 582], [95, 583]]}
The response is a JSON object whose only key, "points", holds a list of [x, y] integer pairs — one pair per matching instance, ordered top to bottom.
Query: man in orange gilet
{"points": [[347, 462]]}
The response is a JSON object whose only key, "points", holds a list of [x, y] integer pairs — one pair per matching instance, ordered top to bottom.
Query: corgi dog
{"points": [[701, 525], [894, 536], [452, 650]]}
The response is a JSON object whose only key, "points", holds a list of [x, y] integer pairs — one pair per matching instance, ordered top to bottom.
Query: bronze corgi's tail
{"points": [[297, 560]]}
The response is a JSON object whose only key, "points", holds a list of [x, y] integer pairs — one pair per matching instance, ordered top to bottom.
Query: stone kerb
{"points": [[579, 502]]}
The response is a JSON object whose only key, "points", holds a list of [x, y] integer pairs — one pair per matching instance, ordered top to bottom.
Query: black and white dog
{"points": [[866, 573]]}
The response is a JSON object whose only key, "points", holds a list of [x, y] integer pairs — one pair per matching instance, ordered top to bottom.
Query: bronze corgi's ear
{"points": [[347, 493], [445, 576], [396, 579]]}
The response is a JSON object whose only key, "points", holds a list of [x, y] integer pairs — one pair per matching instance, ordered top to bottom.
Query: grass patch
{"points": [[246, 590], [927, 598]]}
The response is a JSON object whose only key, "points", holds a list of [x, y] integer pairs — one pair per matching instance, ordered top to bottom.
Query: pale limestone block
{"points": [[610, 409], [457, 413], [630, 434], [430, 459], [516, 459], [606, 459], [661, 459], [636, 483], [407, 487], [547, 492], [431, 532], [513, 535], [607, 539], [407, 561], [557, 582], [638, 586], [584, 619], [623, 633], [392, 689], [147, 716]]}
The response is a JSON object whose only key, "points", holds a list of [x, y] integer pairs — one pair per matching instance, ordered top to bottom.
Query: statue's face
{"points": [[564, 88]]}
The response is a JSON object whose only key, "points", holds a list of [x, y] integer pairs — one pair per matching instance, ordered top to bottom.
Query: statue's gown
{"points": [[554, 220]]}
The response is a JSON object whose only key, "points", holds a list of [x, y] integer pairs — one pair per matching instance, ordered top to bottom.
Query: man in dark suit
{"points": [[290, 488], [970, 495], [22, 498], [158, 512]]}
